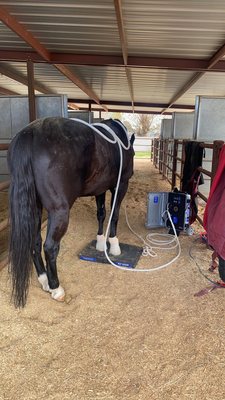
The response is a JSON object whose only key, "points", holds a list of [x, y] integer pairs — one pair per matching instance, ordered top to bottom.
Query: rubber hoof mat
{"points": [[128, 258]]}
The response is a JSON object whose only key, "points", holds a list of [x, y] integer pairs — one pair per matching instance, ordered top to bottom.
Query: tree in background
{"points": [[124, 118], [140, 124], [143, 124]]}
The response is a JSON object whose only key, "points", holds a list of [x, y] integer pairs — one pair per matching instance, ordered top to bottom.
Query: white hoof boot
{"points": [[100, 244], [114, 246], [43, 280], [58, 293]]}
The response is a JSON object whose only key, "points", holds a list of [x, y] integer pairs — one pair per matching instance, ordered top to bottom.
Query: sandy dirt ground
{"points": [[120, 335]]}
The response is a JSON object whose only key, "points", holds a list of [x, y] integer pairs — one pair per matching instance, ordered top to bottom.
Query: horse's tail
{"points": [[23, 214]]}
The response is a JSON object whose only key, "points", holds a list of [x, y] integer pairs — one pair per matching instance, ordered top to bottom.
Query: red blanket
{"points": [[214, 216]]}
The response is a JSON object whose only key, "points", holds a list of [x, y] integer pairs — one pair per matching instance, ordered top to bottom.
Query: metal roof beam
{"points": [[123, 39], [123, 42], [17, 55], [216, 57], [132, 61], [185, 64], [130, 86], [7, 92], [136, 104], [73, 106], [129, 111]]}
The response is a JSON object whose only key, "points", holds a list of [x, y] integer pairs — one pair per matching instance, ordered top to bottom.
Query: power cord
{"points": [[152, 244], [191, 248]]}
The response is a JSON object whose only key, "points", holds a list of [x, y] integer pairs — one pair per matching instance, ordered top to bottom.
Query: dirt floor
{"points": [[120, 335]]}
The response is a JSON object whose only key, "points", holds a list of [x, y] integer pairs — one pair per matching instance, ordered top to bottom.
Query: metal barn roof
{"points": [[127, 55]]}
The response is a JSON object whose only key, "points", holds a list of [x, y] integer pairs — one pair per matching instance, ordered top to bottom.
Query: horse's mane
{"points": [[117, 128]]}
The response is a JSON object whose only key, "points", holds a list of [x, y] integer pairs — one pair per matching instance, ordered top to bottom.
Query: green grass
{"points": [[142, 154]]}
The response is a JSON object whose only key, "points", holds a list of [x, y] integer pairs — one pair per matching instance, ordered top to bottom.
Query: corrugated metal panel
{"points": [[70, 26], [172, 28], [175, 28], [10, 41], [48, 76], [57, 82], [107, 82], [10, 84], [211, 84], [157, 85]]}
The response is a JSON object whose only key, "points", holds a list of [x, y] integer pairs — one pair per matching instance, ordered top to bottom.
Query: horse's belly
{"points": [[97, 188]]}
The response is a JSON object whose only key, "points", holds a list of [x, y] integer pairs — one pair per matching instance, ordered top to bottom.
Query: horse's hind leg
{"points": [[100, 202], [57, 226], [113, 240], [37, 258]]}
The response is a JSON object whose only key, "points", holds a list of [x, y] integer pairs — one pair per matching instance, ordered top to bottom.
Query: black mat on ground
{"points": [[128, 258]]}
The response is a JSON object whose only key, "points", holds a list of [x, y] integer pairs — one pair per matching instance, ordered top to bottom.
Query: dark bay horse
{"points": [[52, 162]]}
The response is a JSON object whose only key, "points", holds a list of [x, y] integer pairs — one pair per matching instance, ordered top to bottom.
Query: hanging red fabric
{"points": [[214, 215]]}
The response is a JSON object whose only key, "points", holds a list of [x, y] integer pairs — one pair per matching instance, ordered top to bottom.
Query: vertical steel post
{"points": [[31, 93], [89, 113], [184, 142], [175, 147], [160, 155], [165, 158]]}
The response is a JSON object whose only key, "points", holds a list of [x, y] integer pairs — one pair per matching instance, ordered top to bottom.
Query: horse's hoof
{"points": [[100, 244], [114, 246], [115, 251], [43, 280], [58, 293], [60, 299]]}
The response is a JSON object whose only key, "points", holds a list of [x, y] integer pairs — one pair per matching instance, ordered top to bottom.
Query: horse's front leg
{"points": [[101, 213], [57, 226], [113, 240]]}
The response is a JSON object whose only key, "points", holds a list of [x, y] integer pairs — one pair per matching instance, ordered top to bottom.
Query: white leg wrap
{"points": [[100, 243], [114, 246], [43, 280], [58, 293]]}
